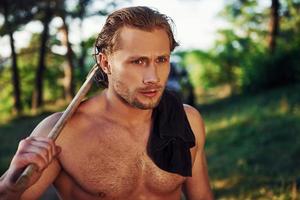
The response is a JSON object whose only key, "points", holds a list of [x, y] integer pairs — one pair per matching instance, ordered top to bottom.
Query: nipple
{"points": [[101, 194]]}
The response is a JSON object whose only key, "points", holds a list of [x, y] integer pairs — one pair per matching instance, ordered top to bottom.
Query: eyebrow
{"points": [[164, 55], [145, 57]]}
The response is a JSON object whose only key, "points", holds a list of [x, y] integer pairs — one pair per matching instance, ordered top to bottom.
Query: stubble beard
{"points": [[131, 97]]}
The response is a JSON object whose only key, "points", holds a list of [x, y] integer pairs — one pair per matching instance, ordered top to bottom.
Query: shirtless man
{"points": [[102, 151]]}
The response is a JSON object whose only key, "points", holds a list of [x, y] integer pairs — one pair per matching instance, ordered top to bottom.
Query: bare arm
{"points": [[37, 149], [197, 187], [6, 192]]}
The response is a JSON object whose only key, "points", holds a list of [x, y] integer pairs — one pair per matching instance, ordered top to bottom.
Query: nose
{"points": [[151, 75]]}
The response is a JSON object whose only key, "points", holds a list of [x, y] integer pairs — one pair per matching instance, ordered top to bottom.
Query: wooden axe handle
{"points": [[22, 181]]}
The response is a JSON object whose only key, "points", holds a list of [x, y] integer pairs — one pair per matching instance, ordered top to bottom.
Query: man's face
{"points": [[140, 67]]}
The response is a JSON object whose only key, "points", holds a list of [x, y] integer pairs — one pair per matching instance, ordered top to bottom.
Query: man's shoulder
{"points": [[90, 106], [192, 113], [81, 114], [197, 124], [45, 126]]}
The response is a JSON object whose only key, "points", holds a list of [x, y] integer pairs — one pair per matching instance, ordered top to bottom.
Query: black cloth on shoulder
{"points": [[171, 137]]}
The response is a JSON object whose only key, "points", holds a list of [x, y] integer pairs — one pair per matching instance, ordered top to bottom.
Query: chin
{"points": [[146, 104]]}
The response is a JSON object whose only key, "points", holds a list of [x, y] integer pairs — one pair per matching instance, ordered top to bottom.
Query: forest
{"points": [[246, 86]]}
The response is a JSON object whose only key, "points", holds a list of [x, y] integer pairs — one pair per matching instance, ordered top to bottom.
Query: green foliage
{"points": [[247, 18], [88, 48], [232, 53], [241, 56], [28, 61], [27, 64], [201, 68], [269, 71], [53, 75], [6, 93], [253, 144]]}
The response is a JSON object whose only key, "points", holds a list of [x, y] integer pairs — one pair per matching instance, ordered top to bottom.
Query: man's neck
{"points": [[123, 111]]}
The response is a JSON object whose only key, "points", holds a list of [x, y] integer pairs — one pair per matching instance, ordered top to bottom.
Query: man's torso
{"points": [[102, 159]]}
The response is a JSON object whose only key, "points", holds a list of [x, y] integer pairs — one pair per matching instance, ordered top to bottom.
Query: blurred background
{"points": [[238, 63]]}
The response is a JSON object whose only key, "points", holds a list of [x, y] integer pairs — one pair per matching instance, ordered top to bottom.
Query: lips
{"points": [[149, 93]]}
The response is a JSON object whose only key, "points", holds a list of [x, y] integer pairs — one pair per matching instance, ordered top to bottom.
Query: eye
{"points": [[162, 59], [138, 62]]}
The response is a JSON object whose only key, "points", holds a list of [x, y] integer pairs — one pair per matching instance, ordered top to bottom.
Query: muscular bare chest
{"points": [[112, 165]]}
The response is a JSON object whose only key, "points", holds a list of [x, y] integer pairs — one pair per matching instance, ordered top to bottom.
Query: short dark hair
{"points": [[139, 17]]}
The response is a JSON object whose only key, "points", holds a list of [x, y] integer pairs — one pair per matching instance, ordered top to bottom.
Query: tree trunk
{"points": [[274, 25], [83, 52], [81, 59], [69, 67], [15, 71], [15, 77], [37, 97]]}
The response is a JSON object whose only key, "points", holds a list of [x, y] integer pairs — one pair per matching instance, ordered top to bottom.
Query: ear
{"points": [[102, 59]]}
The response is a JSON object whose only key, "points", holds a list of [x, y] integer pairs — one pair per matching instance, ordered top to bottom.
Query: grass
{"points": [[12, 132], [253, 144]]}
